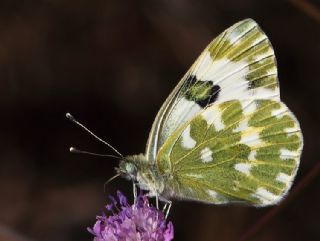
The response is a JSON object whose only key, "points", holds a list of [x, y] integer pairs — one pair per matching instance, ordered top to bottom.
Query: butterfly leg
{"points": [[134, 193], [157, 201], [169, 203], [167, 206], [164, 207]]}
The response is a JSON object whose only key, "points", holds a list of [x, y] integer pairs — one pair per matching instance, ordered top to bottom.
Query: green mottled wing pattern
{"points": [[238, 64], [238, 151]]}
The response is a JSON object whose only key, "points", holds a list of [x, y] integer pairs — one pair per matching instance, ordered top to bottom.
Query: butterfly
{"points": [[223, 135]]}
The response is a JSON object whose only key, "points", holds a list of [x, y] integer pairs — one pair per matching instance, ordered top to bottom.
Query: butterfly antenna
{"points": [[71, 118], [75, 150], [109, 180]]}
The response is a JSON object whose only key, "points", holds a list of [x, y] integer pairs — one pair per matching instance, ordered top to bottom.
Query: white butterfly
{"points": [[223, 135]]}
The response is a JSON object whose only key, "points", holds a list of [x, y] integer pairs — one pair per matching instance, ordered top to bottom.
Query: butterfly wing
{"points": [[238, 64], [239, 151]]}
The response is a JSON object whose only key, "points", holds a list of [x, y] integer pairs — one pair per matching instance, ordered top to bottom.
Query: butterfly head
{"points": [[127, 169], [144, 173]]}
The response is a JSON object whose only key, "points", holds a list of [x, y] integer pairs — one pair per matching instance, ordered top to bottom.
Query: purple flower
{"points": [[137, 222]]}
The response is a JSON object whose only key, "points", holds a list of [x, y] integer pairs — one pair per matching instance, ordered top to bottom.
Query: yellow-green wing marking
{"points": [[238, 64], [245, 151]]}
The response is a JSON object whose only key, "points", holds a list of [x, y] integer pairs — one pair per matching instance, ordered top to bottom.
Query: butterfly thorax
{"points": [[138, 169]]}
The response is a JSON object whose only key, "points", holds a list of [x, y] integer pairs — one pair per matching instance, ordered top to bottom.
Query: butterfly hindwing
{"points": [[238, 64], [244, 151]]}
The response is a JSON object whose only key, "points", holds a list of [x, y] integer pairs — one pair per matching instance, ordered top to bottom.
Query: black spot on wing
{"points": [[191, 80], [255, 83], [215, 91], [201, 92], [214, 94]]}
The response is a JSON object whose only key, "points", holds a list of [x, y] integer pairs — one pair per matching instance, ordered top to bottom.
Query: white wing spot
{"points": [[250, 108], [279, 113], [213, 116], [243, 125], [291, 130], [251, 137], [187, 141], [286, 154], [206, 155], [252, 155], [243, 167], [199, 176], [284, 178], [212, 194], [266, 197], [218, 199]]}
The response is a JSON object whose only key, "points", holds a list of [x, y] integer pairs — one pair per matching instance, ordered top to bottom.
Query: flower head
{"points": [[137, 222]]}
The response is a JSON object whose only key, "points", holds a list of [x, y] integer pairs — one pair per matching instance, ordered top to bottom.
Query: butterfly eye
{"points": [[130, 169], [127, 170]]}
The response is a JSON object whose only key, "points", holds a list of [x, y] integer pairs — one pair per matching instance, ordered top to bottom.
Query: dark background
{"points": [[112, 64]]}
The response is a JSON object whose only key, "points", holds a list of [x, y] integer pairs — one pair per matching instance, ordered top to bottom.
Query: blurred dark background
{"points": [[112, 64]]}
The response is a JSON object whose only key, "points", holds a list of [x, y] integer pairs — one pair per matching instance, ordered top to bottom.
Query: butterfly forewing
{"points": [[238, 64], [245, 151]]}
